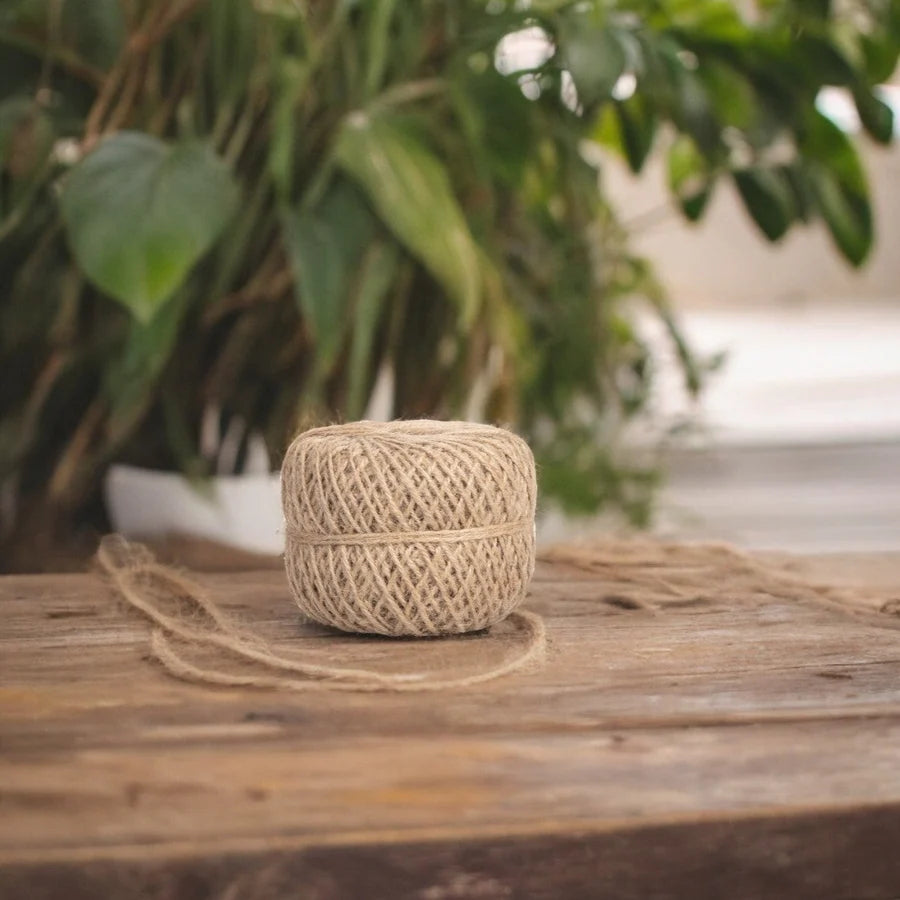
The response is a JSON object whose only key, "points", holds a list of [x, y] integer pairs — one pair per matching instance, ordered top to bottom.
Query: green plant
{"points": [[243, 212]]}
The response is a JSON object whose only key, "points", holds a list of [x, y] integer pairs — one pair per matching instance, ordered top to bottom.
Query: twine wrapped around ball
{"points": [[408, 528]]}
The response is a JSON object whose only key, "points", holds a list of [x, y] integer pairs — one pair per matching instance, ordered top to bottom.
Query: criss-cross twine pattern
{"points": [[409, 528]]}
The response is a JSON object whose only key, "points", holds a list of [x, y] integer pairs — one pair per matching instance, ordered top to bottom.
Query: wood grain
{"points": [[729, 747]]}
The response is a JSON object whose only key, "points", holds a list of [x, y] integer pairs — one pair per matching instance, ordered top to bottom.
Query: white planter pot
{"points": [[241, 510]]}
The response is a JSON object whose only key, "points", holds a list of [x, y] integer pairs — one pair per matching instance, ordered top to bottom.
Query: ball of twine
{"points": [[408, 528]]}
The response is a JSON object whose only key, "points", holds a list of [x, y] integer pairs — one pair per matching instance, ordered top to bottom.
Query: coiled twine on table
{"points": [[409, 528]]}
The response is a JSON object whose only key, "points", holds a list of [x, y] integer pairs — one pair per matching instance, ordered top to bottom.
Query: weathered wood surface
{"points": [[716, 747]]}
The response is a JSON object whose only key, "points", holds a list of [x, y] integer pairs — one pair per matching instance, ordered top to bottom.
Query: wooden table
{"points": [[710, 747]]}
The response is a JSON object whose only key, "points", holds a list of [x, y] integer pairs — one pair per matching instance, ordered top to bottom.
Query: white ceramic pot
{"points": [[241, 510]]}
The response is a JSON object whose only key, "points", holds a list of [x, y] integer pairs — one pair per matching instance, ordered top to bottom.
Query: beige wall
{"points": [[723, 261]]}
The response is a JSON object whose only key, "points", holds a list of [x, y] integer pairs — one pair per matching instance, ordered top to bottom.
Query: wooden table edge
{"points": [[848, 851]]}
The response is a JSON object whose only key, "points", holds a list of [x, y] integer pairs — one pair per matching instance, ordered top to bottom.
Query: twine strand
{"points": [[452, 536]]}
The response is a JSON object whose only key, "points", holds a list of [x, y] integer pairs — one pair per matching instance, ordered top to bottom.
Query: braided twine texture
{"points": [[409, 528]]}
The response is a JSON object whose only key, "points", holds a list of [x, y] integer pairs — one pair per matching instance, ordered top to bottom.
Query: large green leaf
{"points": [[819, 8], [717, 20], [378, 44], [880, 55], [594, 57], [821, 61], [731, 95], [687, 96], [876, 116], [496, 118], [628, 126], [637, 127], [826, 143], [689, 178], [840, 186], [411, 190], [802, 190], [768, 197], [139, 213], [847, 214], [324, 246], [376, 274], [132, 376]]}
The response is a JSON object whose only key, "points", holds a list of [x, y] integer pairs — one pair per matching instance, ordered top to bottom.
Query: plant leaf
{"points": [[717, 20], [378, 43], [880, 55], [594, 57], [821, 61], [290, 80], [731, 95], [687, 96], [495, 117], [877, 117], [637, 128], [826, 143], [689, 178], [840, 186], [411, 190], [802, 190], [768, 198], [139, 213], [848, 216], [324, 246], [375, 279], [131, 378]]}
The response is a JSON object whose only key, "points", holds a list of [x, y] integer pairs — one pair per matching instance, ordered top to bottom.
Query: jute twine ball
{"points": [[408, 528]]}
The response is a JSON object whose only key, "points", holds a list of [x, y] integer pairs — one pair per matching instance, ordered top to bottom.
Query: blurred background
{"points": [[655, 238]]}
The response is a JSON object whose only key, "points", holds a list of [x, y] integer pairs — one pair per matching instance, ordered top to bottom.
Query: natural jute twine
{"points": [[409, 528], [415, 528]]}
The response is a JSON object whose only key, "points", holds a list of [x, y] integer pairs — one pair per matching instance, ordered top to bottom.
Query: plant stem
{"points": [[61, 56], [409, 92], [241, 133], [66, 470]]}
